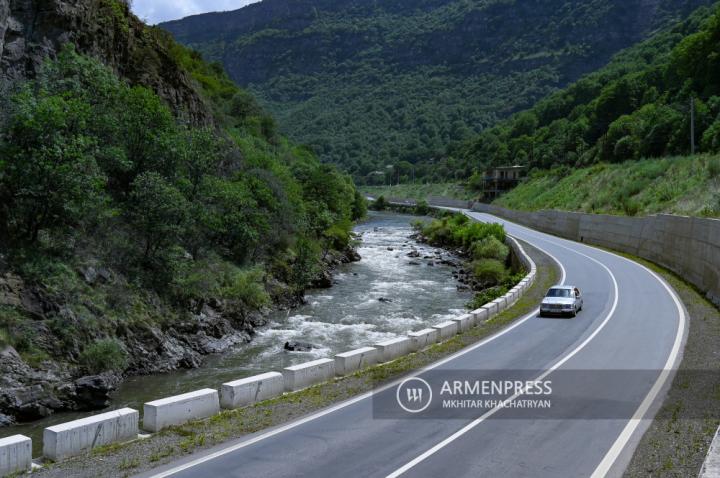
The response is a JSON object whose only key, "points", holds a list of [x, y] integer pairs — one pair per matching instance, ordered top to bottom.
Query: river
{"points": [[347, 316]]}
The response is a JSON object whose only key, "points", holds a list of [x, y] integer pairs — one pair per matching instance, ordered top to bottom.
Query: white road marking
{"points": [[352, 401], [604, 467], [403, 469]]}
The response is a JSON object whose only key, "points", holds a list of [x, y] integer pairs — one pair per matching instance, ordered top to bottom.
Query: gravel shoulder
{"points": [[677, 441], [143, 455]]}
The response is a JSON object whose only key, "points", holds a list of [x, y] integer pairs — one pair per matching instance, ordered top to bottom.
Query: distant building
{"points": [[501, 179]]}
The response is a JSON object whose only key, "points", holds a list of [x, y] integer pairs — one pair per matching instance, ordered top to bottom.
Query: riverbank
{"points": [[347, 315], [54, 375], [164, 447]]}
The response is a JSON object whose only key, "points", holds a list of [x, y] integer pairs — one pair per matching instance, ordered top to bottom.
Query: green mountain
{"points": [[372, 83], [639, 106], [149, 210]]}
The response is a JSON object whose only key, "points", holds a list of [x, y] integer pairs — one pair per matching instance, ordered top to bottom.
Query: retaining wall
{"points": [[689, 246], [180, 409], [72, 438], [15, 454]]}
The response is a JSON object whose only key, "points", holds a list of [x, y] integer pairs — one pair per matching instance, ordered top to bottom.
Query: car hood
{"points": [[558, 300]]}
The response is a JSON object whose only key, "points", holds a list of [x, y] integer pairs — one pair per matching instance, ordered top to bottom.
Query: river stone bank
{"points": [[30, 392]]}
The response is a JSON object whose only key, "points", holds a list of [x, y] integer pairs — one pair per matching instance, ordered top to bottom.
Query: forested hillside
{"points": [[370, 84], [639, 106], [149, 209]]}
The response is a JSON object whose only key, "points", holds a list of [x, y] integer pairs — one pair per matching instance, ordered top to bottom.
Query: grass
{"points": [[682, 185], [419, 191], [229, 424]]}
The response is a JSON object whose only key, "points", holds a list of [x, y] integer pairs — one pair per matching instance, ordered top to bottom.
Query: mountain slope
{"points": [[372, 83], [636, 107], [150, 213]]}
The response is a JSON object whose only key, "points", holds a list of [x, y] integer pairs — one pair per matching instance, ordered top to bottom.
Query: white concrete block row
{"points": [[464, 322], [446, 329], [423, 338], [393, 348], [349, 362], [304, 375], [247, 391], [180, 409], [72, 438], [15, 454], [711, 465]]}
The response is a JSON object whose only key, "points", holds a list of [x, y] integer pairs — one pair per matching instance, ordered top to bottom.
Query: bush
{"points": [[380, 204], [422, 208], [490, 248], [489, 271], [247, 288], [486, 296], [103, 356]]}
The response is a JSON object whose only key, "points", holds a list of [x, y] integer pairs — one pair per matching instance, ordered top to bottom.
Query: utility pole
{"points": [[692, 124]]}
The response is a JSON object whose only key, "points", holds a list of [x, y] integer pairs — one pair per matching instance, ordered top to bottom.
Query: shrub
{"points": [[380, 204], [422, 208], [490, 248], [489, 271], [247, 288], [488, 295], [104, 355]]}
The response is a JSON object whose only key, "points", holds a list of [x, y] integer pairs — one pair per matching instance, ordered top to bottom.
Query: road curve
{"points": [[611, 365]]}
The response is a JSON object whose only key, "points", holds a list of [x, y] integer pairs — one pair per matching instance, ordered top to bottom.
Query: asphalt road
{"points": [[609, 367]]}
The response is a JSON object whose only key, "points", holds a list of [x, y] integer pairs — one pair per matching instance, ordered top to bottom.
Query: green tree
{"points": [[49, 177], [157, 211]]}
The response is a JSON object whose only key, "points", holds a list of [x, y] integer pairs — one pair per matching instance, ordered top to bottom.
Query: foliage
{"points": [[375, 84], [636, 107], [94, 170], [676, 185], [380, 204], [422, 208], [483, 241], [489, 248], [103, 356]]}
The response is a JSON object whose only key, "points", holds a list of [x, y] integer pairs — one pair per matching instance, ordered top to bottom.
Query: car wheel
{"points": [[573, 313]]}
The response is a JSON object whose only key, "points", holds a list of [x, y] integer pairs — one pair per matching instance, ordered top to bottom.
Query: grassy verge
{"points": [[682, 185], [419, 191], [677, 441], [131, 458]]}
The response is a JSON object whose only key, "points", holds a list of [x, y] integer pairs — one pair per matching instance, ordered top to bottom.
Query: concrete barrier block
{"points": [[501, 304], [492, 309], [481, 315], [464, 322], [446, 329], [423, 338], [393, 348], [349, 362], [304, 375], [246, 391], [180, 409], [72, 438], [15, 454], [711, 465]]}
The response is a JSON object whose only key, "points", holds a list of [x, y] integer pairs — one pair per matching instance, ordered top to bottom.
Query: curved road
{"points": [[609, 367]]}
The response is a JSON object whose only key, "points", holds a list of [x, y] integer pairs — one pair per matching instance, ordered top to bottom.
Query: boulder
{"points": [[297, 346]]}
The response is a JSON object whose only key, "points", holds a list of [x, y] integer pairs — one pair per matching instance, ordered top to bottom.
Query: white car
{"points": [[562, 300]]}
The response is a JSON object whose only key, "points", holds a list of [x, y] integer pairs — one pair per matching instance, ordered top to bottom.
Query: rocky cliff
{"points": [[33, 30]]}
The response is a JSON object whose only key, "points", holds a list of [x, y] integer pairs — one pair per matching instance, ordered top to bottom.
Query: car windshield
{"points": [[559, 293]]}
